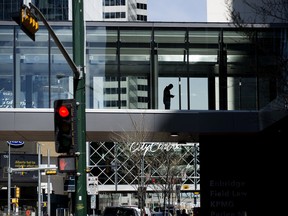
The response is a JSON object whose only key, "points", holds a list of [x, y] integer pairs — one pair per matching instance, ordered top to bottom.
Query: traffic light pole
{"points": [[71, 63], [79, 95]]}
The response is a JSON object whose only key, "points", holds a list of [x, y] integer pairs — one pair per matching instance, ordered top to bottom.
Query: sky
{"points": [[177, 10]]}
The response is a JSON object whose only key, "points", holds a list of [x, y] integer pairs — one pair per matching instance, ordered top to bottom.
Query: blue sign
{"points": [[15, 143]]}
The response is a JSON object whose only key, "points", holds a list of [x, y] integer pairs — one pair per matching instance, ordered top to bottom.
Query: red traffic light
{"points": [[63, 111], [64, 125]]}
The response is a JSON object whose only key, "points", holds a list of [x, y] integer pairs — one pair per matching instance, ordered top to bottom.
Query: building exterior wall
{"points": [[94, 10], [217, 11], [220, 11], [124, 74]]}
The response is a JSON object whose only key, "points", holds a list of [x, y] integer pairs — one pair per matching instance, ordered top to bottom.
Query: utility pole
{"points": [[79, 95]]}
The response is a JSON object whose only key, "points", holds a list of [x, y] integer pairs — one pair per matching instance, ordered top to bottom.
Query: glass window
{"points": [[8, 8], [53, 9], [135, 67], [6, 68], [31, 70], [102, 70], [61, 73]]}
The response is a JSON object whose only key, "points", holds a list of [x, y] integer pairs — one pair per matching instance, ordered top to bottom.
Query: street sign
{"points": [[15, 144], [51, 172], [92, 185], [93, 202]]}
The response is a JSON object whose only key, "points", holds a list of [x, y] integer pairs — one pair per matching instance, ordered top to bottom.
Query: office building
{"points": [[95, 10], [229, 100], [229, 113]]}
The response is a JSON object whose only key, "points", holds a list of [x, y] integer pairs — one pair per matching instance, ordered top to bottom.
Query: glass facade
{"points": [[9, 8], [53, 10], [128, 67]]}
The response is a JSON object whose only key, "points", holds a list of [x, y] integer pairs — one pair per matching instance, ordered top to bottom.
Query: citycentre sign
{"points": [[153, 147]]}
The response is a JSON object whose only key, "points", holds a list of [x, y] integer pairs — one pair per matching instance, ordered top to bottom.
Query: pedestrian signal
{"points": [[66, 164]]}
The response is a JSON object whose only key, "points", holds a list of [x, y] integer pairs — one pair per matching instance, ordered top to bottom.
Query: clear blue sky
{"points": [[177, 10]]}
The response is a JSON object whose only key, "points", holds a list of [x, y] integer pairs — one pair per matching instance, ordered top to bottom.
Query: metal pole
{"points": [[79, 95], [195, 166], [116, 167], [9, 180], [39, 180], [48, 186]]}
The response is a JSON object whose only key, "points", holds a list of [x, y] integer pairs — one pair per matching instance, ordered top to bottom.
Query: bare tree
{"points": [[135, 159], [160, 163], [166, 171]]}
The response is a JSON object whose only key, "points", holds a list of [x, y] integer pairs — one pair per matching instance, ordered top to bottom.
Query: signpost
{"points": [[92, 185], [92, 190]]}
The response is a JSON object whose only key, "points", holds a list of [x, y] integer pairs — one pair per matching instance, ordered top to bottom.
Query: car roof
{"points": [[121, 210]]}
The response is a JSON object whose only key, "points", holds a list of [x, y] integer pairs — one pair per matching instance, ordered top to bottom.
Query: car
{"points": [[120, 211], [146, 212], [161, 214]]}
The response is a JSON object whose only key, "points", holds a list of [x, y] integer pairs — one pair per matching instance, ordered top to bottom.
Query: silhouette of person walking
{"points": [[167, 96]]}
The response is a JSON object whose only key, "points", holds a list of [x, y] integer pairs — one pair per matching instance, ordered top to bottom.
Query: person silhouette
{"points": [[167, 96]]}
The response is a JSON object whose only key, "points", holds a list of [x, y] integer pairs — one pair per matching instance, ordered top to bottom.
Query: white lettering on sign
{"points": [[153, 147]]}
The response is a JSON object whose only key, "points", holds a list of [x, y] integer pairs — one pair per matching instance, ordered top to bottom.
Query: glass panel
{"points": [[9, 8], [53, 9], [135, 35], [172, 37], [203, 49], [240, 54], [135, 66], [6, 67], [32, 71], [102, 71], [61, 73], [183, 87], [198, 93], [242, 93]]}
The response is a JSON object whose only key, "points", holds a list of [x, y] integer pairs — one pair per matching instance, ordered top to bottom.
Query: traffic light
{"points": [[27, 22], [64, 125], [17, 192]]}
